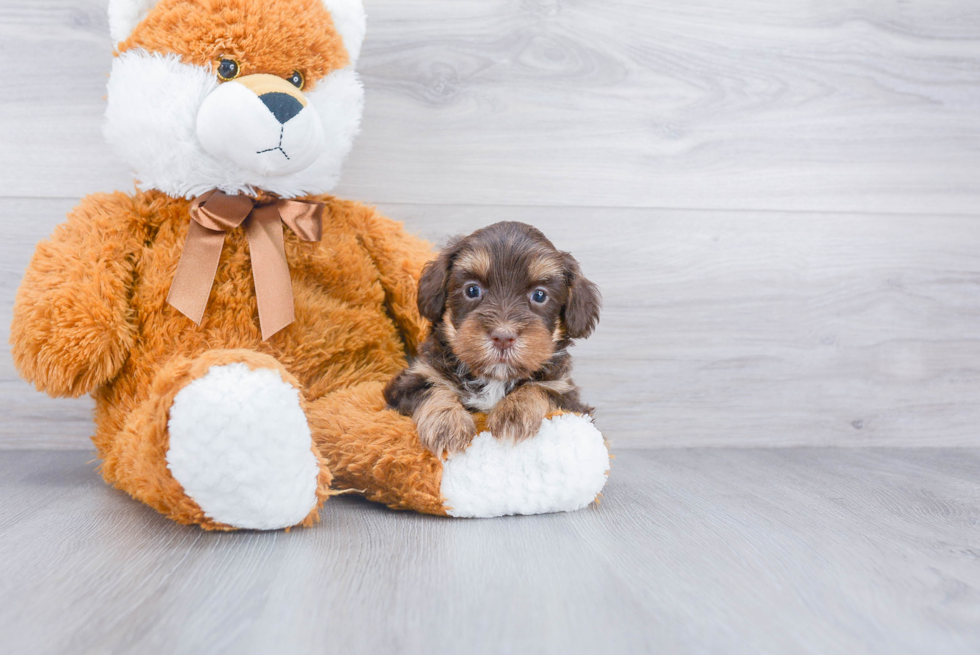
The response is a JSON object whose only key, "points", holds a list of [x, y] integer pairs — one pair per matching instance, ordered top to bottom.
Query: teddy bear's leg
{"points": [[222, 442], [375, 451]]}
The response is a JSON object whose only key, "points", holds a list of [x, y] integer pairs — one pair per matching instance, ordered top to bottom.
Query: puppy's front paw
{"points": [[516, 418], [443, 425]]}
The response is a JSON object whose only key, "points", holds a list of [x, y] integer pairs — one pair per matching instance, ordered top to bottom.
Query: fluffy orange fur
{"points": [[262, 36], [91, 317]]}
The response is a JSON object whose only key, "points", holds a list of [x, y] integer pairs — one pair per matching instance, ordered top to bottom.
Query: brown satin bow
{"points": [[215, 213]]}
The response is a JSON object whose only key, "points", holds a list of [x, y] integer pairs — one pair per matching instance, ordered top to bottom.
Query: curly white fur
{"points": [[240, 447], [561, 469]]}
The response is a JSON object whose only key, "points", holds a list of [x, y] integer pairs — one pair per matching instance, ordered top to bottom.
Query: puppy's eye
{"points": [[228, 69], [296, 79], [473, 291], [539, 296]]}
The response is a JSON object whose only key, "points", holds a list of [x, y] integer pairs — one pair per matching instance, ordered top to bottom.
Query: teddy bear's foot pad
{"points": [[241, 448], [561, 469]]}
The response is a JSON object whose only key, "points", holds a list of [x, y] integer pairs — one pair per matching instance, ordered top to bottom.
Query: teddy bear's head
{"points": [[238, 95]]}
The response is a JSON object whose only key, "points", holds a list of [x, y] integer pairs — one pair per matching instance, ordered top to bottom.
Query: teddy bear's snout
{"points": [[261, 123]]}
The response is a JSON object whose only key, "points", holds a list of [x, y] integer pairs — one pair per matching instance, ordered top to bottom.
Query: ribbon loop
{"points": [[215, 213], [305, 219]]}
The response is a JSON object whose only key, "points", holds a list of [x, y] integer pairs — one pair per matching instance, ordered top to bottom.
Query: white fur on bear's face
{"points": [[152, 123], [236, 126]]}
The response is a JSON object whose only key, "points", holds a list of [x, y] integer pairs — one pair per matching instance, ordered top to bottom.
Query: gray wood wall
{"points": [[778, 199]]}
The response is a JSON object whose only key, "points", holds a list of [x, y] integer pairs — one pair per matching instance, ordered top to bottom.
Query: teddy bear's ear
{"points": [[125, 15], [350, 22]]}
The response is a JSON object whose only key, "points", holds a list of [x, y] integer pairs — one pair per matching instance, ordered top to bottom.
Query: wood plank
{"points": [[57, 57], [833, 106], [759, 329], [691, 551]]}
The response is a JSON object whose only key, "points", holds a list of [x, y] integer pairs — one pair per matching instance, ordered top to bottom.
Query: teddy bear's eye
{"points": [[228, 69], [296, 79]]}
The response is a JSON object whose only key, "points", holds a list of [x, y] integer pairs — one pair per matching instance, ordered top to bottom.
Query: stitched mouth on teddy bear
{"points": [[278, 147]]}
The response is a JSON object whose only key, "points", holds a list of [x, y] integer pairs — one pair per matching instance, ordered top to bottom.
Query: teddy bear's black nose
{"points": [[282, 105]]}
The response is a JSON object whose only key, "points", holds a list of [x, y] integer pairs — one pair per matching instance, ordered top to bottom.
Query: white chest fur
{"points": [[483, 394]]}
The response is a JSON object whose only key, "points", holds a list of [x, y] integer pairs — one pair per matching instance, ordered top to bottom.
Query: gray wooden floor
{"points": [[691, 551]]}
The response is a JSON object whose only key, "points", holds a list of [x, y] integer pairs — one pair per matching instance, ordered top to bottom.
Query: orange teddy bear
{"points": [[235, 325]]}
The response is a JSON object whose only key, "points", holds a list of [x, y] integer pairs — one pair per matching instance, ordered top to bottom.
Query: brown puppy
{"points": [[505, 305]]}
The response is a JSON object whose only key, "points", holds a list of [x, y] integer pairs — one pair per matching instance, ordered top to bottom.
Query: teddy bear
{"points": [[234, 322]]}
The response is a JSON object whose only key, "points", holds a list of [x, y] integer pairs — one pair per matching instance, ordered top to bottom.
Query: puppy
{"points": [[505, 305]]}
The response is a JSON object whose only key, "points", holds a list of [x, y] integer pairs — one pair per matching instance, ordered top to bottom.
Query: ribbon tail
{"points": [[270, 271], [194, 278]]}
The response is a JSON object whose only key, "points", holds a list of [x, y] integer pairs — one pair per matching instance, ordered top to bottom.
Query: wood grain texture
{"points": [[837, 105], [719, 328], [691, 551]]}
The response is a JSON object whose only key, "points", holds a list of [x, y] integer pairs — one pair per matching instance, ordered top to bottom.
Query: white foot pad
{"points": [[240, 447], [561, 469]]}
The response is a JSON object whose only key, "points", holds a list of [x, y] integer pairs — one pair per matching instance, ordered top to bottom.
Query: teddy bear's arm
{"points": [[399, 258], [72, 327]]}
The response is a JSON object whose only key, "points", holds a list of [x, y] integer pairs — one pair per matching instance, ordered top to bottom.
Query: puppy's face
{"points": [[504, 298]]}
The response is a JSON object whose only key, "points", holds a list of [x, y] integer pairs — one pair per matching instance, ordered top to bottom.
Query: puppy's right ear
{"points": [[432, 284], [581, 312]]}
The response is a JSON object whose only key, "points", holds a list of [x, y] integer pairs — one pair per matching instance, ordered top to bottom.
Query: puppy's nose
{"points": [[282, 105], [503, 339]]}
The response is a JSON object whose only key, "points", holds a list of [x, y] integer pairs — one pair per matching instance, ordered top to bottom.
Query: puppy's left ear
{"points": [[432, 284], [581, 311]]}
